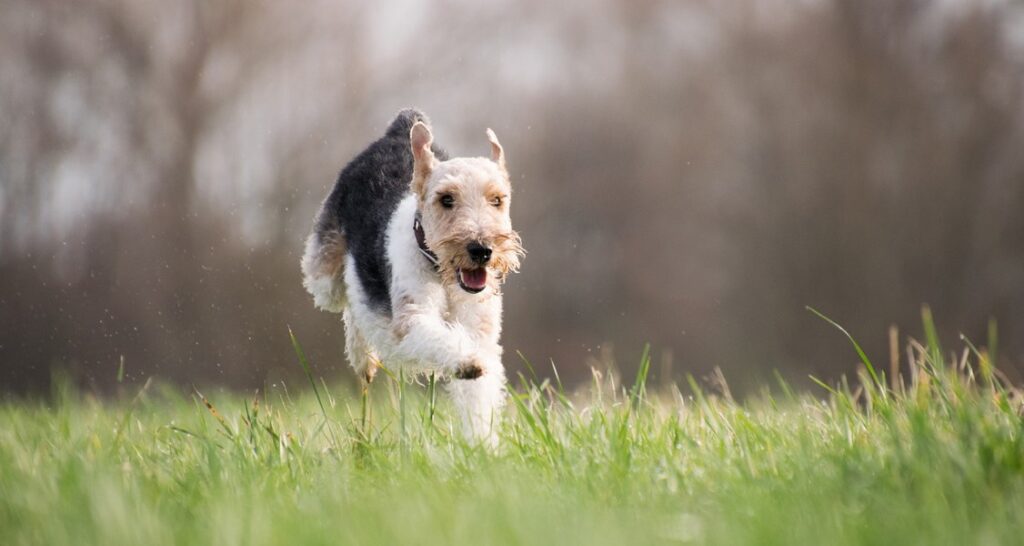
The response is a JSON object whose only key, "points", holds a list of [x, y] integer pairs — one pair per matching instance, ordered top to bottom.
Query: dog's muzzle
{"points": [[479, 253], [474, 280]]}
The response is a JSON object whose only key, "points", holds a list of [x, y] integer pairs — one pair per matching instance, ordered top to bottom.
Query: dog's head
{"points": [[464, 205]]}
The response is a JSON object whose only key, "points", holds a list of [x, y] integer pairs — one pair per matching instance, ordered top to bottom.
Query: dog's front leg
{"points": [[426, 341], [477, 388], [478, 401]]}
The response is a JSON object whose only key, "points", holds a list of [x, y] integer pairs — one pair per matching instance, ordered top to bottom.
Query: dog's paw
{"points": [[469, 370]]}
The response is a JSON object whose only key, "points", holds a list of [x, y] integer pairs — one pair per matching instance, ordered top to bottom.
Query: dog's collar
{"points": [[421, 242]]}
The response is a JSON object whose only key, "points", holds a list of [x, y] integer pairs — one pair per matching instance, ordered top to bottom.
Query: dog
{"points": [[412, 248]]}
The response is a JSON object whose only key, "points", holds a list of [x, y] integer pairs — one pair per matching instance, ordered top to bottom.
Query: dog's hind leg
{"points": [[361, 356]]}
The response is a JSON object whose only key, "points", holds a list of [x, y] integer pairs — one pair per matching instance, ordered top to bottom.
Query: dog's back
{"points": [[355, 215]]}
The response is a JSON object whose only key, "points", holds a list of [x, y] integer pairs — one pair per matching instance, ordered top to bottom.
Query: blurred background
{"points": [[690, 174]]}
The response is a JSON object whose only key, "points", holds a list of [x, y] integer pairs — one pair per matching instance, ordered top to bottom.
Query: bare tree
{"points": [[688, 174]]}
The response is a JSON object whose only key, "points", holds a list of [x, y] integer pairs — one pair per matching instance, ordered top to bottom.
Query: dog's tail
{"points": [[404, 121]]}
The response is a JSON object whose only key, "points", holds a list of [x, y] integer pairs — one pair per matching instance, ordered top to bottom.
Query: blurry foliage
{"points": [[690, 174]]}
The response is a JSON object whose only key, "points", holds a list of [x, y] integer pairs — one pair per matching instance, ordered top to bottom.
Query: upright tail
{"points": [[404, 121]]}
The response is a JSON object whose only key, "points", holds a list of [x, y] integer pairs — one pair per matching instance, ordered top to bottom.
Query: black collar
{"points": [[421, 242]]}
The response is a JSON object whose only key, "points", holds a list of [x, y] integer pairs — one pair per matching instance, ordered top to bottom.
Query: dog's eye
{"points": [[447, 201], [496, 201]]}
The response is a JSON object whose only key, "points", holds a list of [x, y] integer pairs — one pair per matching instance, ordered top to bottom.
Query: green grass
{"points": [[935, 457]]}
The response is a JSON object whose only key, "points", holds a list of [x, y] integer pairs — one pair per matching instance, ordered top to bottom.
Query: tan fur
{"points": [[420, 139], [331, 257], [322, 269], [404, 311], [361, 356], [372, 364]]}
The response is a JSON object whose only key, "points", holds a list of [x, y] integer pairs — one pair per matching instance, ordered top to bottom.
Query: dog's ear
{"points": [[497, 152], [423, 158]]}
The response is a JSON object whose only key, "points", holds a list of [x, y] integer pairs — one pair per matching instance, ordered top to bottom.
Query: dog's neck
{"points": [[421, 242]]}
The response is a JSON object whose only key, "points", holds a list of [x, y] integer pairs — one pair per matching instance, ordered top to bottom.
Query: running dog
{"points": [[412, 247]]}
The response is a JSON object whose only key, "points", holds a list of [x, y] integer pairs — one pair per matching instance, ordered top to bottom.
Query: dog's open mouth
{"points": [[472, 280]]}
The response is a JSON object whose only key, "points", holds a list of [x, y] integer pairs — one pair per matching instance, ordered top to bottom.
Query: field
{"points": [[935, 457]]}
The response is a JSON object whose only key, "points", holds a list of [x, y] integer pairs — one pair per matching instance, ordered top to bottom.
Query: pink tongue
{"points": [[474, 278]]}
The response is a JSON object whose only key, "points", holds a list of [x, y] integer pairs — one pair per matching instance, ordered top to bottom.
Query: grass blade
{"points": [[860, 352], [309, 375], [636, 394]]}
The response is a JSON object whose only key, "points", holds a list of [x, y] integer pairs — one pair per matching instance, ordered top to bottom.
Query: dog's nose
{"points": [[479, 253]]}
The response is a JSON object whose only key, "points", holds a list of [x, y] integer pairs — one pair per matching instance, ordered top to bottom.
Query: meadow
{"points": [[930, 454]]}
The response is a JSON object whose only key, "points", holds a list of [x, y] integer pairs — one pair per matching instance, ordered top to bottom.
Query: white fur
{"points": [[441, 332]]}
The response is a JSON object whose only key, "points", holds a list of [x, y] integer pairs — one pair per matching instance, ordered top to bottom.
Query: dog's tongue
{"points": [[474, 278]]}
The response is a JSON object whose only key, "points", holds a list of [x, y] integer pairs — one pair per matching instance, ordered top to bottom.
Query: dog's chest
{"points": [[479, 314]]}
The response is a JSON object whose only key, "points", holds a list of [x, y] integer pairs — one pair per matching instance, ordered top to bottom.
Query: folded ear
{"points": [[497, 152], [423, 158]]}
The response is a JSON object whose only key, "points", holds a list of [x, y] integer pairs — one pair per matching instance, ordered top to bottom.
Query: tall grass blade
{"points": [[931, 336], [993, 341], [860, 352], [309, 375], [636, 394]]}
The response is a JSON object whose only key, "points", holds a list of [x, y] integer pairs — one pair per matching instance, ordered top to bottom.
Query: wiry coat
{"points": [[400, 309]]}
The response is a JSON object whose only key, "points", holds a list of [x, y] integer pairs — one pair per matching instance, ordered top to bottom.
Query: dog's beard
{"points": [[458, 268]]}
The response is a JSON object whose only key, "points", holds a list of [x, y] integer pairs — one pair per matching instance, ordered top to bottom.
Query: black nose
{"points": [[478, 253]]}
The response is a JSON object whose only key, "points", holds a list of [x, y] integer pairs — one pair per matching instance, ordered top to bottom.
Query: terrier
{"points": [[412, 247]]}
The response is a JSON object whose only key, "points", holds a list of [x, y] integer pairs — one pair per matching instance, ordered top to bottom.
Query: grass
{"points": [[934, 456]]}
